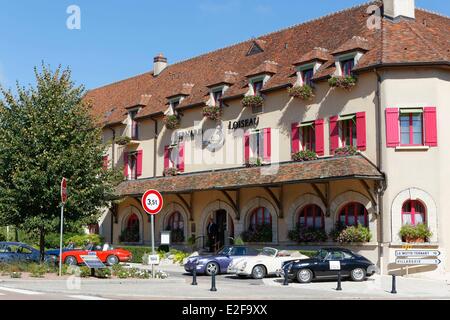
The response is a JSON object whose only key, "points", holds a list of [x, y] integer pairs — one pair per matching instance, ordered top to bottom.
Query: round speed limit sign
{"points": [[152, 202]]}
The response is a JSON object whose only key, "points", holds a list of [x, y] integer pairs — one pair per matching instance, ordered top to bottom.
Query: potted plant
{"points": [[347, 82], [304, 92], [252, 101], [212, 112], [172, 121], [123, 140], [346, 151], [304, 155], [254, 162], [170, 172], [262, 233], [304, 234], [353, 234], [415, 234]]}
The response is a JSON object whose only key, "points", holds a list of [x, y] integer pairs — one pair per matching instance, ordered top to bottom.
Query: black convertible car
{"points": [[325, 264]]}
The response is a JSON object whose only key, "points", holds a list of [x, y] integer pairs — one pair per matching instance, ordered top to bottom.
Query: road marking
{"points": [[28, 292], [81, 297]]}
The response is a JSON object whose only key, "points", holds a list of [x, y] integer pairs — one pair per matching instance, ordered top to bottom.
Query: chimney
{"points": [[394, 9], [159, 64]]}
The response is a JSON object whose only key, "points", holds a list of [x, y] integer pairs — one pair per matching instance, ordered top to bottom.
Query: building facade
{"points": [[339, 121]]}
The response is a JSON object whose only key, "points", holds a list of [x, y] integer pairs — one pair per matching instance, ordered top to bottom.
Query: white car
{"points": [[266, 263]]}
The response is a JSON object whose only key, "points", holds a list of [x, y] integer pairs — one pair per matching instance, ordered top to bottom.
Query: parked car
{"points": [[11, 252], [55, 252], [106, 254], [218, 262], [266, 263], [352, 266]]}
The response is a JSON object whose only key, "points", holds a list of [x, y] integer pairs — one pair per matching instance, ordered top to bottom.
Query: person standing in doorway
{"points": [[212, 230]]}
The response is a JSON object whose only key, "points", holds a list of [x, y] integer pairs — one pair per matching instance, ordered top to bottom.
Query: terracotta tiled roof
{"points": [[423, 40], [355, 43], [320, 54], [267, 67], [318, 170]]}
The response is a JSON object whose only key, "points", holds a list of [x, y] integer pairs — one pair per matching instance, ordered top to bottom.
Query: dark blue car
{"points": [[11, 252], [55, 252], [218, 263]]}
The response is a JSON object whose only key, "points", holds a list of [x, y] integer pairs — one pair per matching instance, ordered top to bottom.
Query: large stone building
{"points": [[239, 169]]}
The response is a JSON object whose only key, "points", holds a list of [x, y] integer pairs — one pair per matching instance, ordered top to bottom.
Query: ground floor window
{"points": [[413, 213], [353, 214], [311, 216], [176, 225], [260, 226], [131, 232]]}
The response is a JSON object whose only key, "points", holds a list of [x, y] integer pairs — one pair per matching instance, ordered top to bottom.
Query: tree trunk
{"points": [[42, 244]]}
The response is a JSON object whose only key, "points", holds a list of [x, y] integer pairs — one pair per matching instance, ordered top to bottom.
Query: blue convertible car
{"points": [[17, 252], [218, 263]]}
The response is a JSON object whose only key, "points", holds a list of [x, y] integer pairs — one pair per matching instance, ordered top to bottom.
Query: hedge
{"points": [[137, 252], [308, 253]]}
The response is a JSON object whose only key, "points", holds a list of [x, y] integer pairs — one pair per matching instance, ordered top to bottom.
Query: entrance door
{"points": [[221, 221]]}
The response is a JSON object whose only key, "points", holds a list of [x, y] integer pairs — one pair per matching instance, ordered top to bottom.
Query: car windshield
{"points": [[225, 251], [268, 252], [321, 254]]}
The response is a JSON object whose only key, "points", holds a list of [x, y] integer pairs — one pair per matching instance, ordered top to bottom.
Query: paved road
{"points": [[10, 293]]}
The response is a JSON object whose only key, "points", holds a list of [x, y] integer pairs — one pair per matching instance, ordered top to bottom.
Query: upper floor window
{"points": [[347, 67], [307, 76], [257, 86], [217, 97], [175, 103], [134, 125], [411, 127], [347, 131], [308, 137], [257, 145], [174, 156], [132, 164], [413, 213], [353, 214], [311, 216]]}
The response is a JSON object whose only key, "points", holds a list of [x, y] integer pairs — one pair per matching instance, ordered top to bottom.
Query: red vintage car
{"points": [[106, 253]]}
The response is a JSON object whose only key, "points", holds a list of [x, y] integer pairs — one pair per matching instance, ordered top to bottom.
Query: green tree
{"points": [[46, 133]]}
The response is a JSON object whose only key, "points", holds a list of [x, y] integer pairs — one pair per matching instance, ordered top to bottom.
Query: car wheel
{"points": [[112, 260], [71, 261], [211, 268], [259, 272], [358, 274], [304, 276]]}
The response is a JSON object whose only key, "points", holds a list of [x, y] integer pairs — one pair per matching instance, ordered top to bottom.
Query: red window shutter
{"points": [[430, 121], [392, 128], [361, 130], [334, 133], [295, 137], [267, 144], [320, 144], [246, 147], [166, 157], [181, 158], [105, 162], [139, 163], [125, 164]]}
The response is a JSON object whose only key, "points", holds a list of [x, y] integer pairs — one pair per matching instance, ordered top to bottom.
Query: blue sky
{"points": [[119, 38]]}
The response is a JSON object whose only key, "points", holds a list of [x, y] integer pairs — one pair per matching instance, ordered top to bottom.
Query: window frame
{"points": [[344, 64], [305, 80], [217, 100], [403, 113], [134, 124], [311, 129], [352, 132], [259, 133], [132, 171], [412, 213], [317, 214], [355, 214], [254, 220], [171, 221]]}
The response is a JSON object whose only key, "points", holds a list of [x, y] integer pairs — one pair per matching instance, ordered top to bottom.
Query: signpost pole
{"points": [[152, 219], [61, 239]]}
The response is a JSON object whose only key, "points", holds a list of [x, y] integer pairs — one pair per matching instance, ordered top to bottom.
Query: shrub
{"points": [[347, 82], [304, 92], [252, 101], [212, 113], [172, 121], [122, 141], [346, 151], [304, 155], [170, 172], [338, 228], [262, 233], [417, 233], [304, 234], [355, 234], [177, 235], [2, 237], [82, 240], [238, 241], [164, 247], [138, 252], [308, 253], [179, 256], [37, 270], [85, 272], [104, 273], [15, 274]]}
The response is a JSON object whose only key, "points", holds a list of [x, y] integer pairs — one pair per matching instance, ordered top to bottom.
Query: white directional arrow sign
{"points": [[417, 253], [418, 261]]}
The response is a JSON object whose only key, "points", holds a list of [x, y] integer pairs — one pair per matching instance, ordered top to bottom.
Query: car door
{"points": [[337, 256], [321, 266]]}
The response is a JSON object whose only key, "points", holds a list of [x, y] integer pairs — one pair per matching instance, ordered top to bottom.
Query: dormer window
{"points": [[347, 67], [307, 76], [257, 86], [217, 96], [175, 103], [134, 125]]}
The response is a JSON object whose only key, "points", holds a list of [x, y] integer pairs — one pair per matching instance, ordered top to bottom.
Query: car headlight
{"points": [[244, 265]]}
